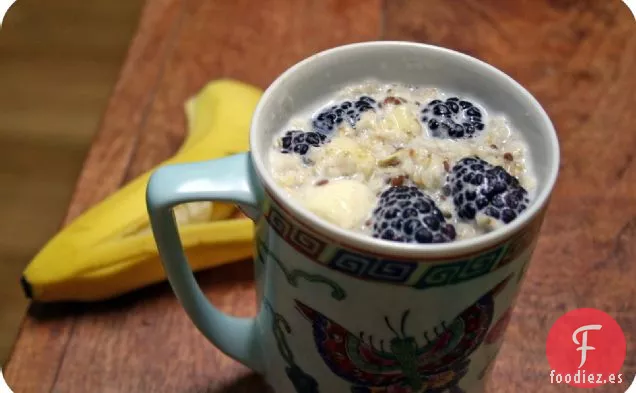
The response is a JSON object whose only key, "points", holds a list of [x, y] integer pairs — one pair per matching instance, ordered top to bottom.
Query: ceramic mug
{"points": [[344, 312]]}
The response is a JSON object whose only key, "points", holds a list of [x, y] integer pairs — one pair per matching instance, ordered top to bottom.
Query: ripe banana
{"points": [[109, 250]]}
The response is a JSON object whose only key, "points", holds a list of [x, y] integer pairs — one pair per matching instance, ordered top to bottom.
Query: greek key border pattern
{"points": [[304, 242], [417, 274]]}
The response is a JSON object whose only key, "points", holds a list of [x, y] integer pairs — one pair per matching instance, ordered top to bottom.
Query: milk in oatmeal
{"points": [[412, 164]]}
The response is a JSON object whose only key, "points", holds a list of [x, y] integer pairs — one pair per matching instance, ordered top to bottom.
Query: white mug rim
{"points": [[397, 249]]}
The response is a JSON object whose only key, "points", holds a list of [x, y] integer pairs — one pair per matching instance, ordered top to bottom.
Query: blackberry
{"points": [[348, 111], [453, 118], [296, 141], [477, 186], [405, 214]]}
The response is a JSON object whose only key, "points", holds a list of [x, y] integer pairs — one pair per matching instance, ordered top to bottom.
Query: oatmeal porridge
{"points": [[405, 163]]}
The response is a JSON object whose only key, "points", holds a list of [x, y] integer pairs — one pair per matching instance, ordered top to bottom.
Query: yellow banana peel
{"points": [[109, 250]]}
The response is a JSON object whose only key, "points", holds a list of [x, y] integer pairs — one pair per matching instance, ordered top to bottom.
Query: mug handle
{"points": [[225, 180]]}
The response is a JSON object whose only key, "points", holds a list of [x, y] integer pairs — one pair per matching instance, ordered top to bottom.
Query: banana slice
{"points": [[399, 119], [398, 125], [430, 173], [345, 203]]}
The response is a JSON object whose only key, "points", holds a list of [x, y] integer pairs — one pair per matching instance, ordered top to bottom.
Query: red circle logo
{"points": [[586, 348]]}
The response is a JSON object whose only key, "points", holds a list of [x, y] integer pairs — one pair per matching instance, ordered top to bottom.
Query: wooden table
{"points": [[578, 57]]}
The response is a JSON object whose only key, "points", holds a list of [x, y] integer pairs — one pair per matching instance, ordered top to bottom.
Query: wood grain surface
{"points": [[577, 57], [55, 84]]}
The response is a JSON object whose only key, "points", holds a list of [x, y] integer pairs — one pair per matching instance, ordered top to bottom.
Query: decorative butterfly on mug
{"points": [[404, 365]]}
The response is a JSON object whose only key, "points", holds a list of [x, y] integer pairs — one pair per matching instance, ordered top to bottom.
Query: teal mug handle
{"points": [[225, 180]]}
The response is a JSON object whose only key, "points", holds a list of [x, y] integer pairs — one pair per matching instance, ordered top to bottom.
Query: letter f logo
{"points": [[583, 344]]}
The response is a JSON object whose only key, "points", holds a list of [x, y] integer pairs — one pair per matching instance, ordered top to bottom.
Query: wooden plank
{"points": [[250, 44], [577, 58], [55, 83], [45, 333], [144, 342]]}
